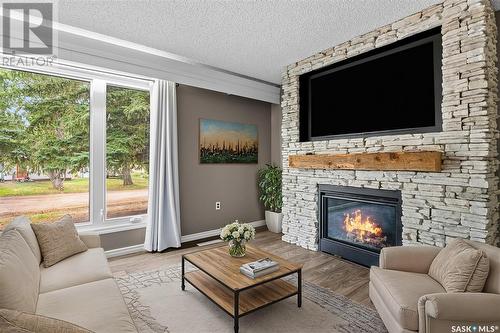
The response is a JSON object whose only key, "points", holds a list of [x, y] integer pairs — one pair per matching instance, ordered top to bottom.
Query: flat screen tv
{"points": [[393, 89]]}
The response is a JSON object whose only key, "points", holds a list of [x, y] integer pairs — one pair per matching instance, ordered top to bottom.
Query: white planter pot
{"points": [[273, 221]]}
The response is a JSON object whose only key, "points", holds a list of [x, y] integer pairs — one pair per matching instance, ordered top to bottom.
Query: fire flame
{"points": [[361, 228]]}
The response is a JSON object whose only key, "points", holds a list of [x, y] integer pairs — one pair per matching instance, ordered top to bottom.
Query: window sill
{"points": [[109, 228]]}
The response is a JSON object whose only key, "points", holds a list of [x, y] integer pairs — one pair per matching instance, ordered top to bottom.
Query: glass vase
{"points": [[237, 249]]}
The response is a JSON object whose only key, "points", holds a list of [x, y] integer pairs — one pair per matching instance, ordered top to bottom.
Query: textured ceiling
{"points": [[254, 38]]}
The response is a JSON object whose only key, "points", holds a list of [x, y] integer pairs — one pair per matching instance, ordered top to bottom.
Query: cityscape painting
{"points": [[227, 142]]}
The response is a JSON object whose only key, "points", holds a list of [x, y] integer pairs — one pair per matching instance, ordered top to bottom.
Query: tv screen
{"points": [[393, 89]]}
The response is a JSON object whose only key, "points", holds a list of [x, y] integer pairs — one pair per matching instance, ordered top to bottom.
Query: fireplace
{"points": [[356, 223]]}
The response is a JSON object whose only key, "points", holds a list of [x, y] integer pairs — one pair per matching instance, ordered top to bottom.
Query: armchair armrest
{"points": [[91, 239], [416, 259], [462, 307]]}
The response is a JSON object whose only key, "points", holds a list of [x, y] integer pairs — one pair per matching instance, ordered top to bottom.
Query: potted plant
{"points": [[269, 181], [237, 234]]}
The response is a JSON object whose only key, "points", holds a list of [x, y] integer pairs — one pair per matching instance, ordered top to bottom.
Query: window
{"points": [[73, 141], [44, 147], [127, 151]]}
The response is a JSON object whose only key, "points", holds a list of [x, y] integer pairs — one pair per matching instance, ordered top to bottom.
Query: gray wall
{"points": [[234, 185], [121, 239]]}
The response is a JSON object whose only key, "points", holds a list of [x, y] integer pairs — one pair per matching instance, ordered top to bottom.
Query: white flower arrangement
{"points": [[238, 232]]}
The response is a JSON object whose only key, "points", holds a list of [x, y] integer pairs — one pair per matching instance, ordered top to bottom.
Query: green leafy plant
{"points": [[269, 179]]}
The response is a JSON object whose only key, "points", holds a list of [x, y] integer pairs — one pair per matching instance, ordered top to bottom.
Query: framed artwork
{"points": [[227, 142]]}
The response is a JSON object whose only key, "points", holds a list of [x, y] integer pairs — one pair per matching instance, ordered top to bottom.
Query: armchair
{"points": [[409, 300]]}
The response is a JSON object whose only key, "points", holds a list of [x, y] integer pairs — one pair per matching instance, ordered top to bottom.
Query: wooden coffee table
{"points": [[219, 279]]}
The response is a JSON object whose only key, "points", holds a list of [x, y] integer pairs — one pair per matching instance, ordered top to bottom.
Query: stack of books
{"points": [[259, 268]]}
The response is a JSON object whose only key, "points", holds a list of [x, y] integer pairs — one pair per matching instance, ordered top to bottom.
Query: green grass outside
{"points": [[77, 185], [44, 217]]}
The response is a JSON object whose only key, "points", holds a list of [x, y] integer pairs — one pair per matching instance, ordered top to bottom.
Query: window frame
{"points": [[98, 80]]}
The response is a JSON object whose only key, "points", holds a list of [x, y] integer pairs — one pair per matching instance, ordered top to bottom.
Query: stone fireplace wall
{"points": [[462, 200]]}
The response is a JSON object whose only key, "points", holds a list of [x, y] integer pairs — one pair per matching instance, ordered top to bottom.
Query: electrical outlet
{"points": [[217, 205]]}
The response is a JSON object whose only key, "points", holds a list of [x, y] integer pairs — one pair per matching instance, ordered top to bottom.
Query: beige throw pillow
{"points": [[23, 225], [58, 240], [460, 267], [19, 273], [12, 321]]}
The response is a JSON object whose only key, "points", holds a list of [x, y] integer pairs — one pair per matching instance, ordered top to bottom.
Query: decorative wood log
{"points": [[397, 161]]}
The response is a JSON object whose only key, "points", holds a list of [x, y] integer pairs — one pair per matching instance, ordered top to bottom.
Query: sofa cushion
{"points": [[23, 225], [90, 239], [58, 240], [459, 267], [81, 268], [19, 273], [492, 284], [400, 292], [97, 306], [383, 311], [17, 321], [6, 327]]}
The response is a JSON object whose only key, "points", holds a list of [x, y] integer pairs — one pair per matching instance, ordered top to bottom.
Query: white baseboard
{"points": [[215, 232], [187, 238], [125, 250]]}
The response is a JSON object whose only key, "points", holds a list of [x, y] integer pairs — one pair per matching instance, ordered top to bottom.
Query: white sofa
{"points": [[79, 289]]}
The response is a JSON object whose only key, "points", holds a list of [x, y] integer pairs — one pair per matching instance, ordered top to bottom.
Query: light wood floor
{"points": [[328, 271]]}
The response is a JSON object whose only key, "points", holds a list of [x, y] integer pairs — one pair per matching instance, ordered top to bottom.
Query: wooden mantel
{"points": [[429, 161]]}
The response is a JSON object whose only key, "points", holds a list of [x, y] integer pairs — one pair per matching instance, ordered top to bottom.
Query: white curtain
{"points": [[163, 228]]}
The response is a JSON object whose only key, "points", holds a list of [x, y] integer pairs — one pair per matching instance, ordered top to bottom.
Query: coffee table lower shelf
{"points": [[249, 300]]}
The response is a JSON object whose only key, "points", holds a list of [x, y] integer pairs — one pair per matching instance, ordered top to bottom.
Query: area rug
{"points": [[158, 305]]}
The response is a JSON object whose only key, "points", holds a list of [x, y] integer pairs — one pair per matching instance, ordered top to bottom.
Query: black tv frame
{"points": [[433, 35]]}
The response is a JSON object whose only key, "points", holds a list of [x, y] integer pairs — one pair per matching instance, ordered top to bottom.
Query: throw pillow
{"points": [[23, 225], [58, 240], [459, 267], [19, 273], [12, 321]]}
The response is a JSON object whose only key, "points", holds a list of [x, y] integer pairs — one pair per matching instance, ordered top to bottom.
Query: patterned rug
{"points": [[158, 305]]}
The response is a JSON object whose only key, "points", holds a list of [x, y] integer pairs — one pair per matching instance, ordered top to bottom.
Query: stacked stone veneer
{"points": [[462, 200]]}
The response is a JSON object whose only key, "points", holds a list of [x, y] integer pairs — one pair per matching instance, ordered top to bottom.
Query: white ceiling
{"points": [[253, 38]]}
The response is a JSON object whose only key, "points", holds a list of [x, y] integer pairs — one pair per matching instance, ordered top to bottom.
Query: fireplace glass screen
{"points": [[365, 224]]}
